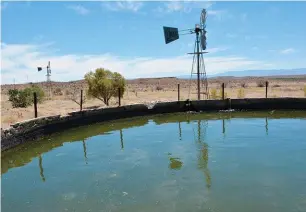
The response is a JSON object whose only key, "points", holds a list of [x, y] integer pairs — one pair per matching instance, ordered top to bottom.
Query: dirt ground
{"points": [[149, 91]]}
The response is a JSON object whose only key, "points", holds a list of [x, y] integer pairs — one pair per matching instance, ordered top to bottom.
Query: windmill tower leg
{"points": [[198, 68]]}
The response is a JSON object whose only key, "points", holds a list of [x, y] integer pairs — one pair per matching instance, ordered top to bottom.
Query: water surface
{"points": [[235, 162]]}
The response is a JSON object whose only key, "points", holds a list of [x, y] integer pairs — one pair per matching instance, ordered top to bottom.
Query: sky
{"points": [[127, 37]]}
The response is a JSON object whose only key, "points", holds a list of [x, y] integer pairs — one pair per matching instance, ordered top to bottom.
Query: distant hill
{"points": [[256, 73]]}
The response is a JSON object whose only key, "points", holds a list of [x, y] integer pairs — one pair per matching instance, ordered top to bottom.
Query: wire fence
{"points": [[74, 98]]}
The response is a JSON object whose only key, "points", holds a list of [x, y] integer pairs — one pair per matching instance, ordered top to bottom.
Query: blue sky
{"points": [[127, 37]]}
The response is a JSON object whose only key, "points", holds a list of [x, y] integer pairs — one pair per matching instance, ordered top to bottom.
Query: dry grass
{"points": [[145, 91]]}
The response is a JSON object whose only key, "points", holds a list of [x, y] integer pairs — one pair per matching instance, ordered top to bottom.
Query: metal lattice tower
{"points": [[172, 34], [199, 71], [49, 83]]}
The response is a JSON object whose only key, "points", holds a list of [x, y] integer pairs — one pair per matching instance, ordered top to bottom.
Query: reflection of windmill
{"points": [[172, 34], [203, 151]]}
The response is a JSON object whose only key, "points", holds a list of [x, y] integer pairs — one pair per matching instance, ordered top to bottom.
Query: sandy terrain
{"points": [[148, 91]]}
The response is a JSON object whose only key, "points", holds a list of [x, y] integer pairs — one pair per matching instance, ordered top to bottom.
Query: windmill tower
{"points": [[172, 34], [48, 81]]}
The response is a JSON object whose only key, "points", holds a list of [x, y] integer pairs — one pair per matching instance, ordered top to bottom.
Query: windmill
{"points": [[172, 34], [49, 84]]}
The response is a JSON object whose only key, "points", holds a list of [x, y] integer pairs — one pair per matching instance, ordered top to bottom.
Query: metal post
{"points": [[198, 65], [267, 84], [223, 90], [178, 92], [119, 94], [81, 102], [35, 105]]}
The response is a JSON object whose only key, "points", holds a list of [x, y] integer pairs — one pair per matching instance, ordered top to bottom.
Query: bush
{"points": [[261, 83], [243, 84], [159, 88], [305, 90], [58, 92], [213, 93], [240, 94], [220, 95], [24, 98]]}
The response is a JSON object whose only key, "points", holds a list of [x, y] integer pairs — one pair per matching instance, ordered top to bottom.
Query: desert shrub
{"points": [[261, 83], [104, 84], [243, 84], [275, 86], [159, 88], [305, 90], [39, 92], [58, 92], [67, 92], [213, 93], [220, 94], [240, 94], [75, 95], [24, 98]]}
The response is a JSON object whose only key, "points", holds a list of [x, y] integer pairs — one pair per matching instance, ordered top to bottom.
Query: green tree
{"points": [[104, 84]]}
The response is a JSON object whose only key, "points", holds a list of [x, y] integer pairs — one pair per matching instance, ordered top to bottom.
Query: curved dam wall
{"points": [[37, 128]]}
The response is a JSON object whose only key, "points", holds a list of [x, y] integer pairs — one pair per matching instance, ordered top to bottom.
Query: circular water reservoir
{"points": [[223, 162]]}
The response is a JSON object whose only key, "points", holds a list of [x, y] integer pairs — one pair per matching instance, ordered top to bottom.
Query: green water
{"points": [[219, 162]]}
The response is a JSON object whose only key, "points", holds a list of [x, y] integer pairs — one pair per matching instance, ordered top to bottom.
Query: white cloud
{"points": [[133, 6], [182, 6], [79, 9], [219, 15], [217, 49], [287, 51], [20, 61]]}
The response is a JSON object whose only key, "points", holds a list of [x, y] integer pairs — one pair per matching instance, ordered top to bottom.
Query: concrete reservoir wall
{"points": [[37, 128]]}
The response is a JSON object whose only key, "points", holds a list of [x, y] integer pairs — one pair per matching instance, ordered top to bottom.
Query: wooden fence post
{"points": [[267, 84], [223, 90], [178, 92], [119, 95], [81, 102], [35, 105]]}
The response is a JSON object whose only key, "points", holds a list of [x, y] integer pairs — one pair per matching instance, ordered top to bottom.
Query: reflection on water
{"points": [[266, 125], [223, 127], [180, 130], [121, 139], [85, 151], [203, 151], [175, 163], [41, 169], [144, 177]]}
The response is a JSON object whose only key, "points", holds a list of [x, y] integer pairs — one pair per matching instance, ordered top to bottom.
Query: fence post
{"points": [[267, 84], [223, 90], [178, 92], [119, 95], [81, 103], [35, 105]]}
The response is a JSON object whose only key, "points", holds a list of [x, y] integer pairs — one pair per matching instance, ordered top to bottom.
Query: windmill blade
{"points": [[203, 16], [203, 39]]}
